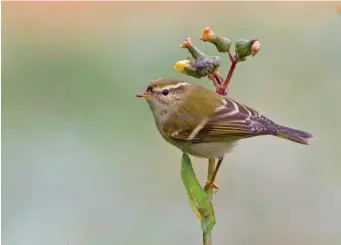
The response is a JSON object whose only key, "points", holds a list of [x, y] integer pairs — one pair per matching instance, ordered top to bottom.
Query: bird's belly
{"points": [[210, 150]]}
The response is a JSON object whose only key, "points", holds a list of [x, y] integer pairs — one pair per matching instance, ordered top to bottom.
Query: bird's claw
{"points": [[209, 185]]}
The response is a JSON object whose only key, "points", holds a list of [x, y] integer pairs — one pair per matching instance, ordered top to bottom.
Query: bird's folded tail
{"points": [[293, 135]]}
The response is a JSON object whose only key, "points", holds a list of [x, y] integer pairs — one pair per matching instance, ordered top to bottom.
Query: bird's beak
{"points": [[144, 95]]}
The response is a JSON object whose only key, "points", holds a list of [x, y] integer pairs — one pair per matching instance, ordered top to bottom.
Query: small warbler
{"points": [[205, 124]]}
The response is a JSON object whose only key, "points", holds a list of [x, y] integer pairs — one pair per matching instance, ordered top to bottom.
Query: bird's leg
{"points": [[211, 183]]}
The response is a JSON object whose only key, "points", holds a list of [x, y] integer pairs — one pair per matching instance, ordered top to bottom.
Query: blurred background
{"points": [[82, 161]]}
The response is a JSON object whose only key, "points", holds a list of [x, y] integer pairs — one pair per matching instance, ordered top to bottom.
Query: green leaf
{"points": [[198, 198]]}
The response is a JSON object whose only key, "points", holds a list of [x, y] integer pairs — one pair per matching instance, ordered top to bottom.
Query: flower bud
{"points": [[207, 34], [187, 43], [222, 44], [244, 48], [255, 48], [195, 52], [180, 65], [186, 66], [206, 66], [198, 68]]}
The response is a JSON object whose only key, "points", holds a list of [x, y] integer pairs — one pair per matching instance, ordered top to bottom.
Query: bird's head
{"points": [[164, 92]]}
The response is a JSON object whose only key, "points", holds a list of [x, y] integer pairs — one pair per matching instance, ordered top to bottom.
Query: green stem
{"points": [[207, 239]]}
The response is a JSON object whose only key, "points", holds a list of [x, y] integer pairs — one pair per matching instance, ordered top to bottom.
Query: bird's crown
{"points": [[162, 84]]}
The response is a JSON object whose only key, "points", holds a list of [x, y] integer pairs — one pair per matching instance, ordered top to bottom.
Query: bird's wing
{"points": [[231, 121]]}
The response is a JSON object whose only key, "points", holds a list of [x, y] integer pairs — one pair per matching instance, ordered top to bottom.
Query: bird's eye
{"points": [[165, 92]]}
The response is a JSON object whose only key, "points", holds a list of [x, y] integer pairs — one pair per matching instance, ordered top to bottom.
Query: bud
{"points": [[207, 34], [187, 43], [222, 44], [244, 48], [255, 48], [196, 53], [180, 65], [186, 66], [206, 66], [198, 68]]}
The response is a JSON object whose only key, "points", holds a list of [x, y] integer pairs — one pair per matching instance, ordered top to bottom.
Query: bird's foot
{"points": [[211, 185]]}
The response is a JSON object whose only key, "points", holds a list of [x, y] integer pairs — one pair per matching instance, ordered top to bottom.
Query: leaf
{"points": [[198, 198]]}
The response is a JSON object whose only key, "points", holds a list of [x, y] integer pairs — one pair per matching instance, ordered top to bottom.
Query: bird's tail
{"points": [[293, 135]]}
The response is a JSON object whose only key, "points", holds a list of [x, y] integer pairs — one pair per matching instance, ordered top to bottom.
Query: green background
{"points": [[82, 161]]}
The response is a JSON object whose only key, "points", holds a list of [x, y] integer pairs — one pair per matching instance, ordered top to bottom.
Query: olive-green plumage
{"points": [[205, 124]]}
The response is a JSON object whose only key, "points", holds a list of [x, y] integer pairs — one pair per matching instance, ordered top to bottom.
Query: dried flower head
{"points": [[207, 34], [187, 43]]}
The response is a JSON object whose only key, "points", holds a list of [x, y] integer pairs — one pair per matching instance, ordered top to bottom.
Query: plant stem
{"points": [[230, 56], [229, 75], [215, 80], [222, 89], [207, 239]]}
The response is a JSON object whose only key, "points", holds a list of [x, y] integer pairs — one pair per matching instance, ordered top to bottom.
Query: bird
{"points": [[204, 124]]}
